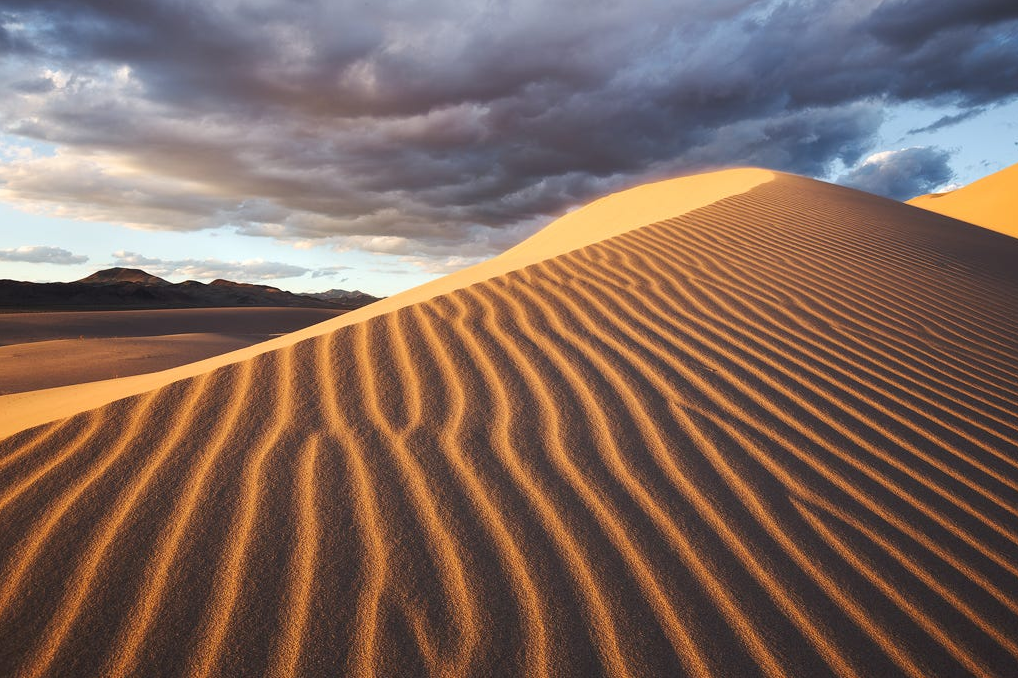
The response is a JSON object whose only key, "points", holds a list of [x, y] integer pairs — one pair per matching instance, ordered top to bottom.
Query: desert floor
{"points": [[48, 349]]}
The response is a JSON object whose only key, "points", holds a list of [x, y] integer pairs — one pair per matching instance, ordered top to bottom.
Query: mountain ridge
{"points": [[119, 274], [120, 288]]}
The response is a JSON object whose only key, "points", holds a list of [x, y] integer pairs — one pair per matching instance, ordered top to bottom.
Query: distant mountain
{"points": [[118, 275], [131, 288], [342, 296]]}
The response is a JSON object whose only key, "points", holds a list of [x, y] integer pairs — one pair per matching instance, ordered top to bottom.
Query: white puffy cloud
{"points": [[41, 254], [208, 269]]}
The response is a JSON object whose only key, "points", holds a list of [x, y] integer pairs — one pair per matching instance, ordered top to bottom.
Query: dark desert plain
{"points": [[127, 322], [48, 349], [694, 355]]}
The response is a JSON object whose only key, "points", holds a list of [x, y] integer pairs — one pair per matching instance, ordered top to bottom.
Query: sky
{"points": [[317, 144]]}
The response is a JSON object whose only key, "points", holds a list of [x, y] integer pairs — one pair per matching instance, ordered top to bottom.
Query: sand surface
{"points": [[991, 202], [53, 349], [776, 435]]}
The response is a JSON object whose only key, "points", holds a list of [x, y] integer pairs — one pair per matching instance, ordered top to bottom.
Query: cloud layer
{"points": [[437, 128], [41, 254], [209, 269]]}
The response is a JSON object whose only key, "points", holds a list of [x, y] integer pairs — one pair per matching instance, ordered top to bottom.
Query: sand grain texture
{"points": [[775, 435]]}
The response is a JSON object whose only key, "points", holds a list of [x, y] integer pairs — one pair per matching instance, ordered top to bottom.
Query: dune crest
{"points": [[991, 202], [601, 219], [775, 435]]}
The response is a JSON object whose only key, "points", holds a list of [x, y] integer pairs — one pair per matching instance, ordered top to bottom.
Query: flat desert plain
{"points": [[49, 349], [740, 424]]}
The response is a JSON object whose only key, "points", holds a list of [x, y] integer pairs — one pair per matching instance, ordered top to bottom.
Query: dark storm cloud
{"points": [[915, 21], [439, 127], [901, 174]]}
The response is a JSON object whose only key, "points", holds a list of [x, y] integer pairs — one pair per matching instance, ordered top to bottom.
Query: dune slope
{"points": [[991, 202], [776, 435]]}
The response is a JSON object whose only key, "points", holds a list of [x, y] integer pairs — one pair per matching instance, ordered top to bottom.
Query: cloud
{"points": [[916, 21], [39, 85], [948, 120], [433, 128], [901, 174], [41, 254], [437, 266], [208, 269], [329, 271]]}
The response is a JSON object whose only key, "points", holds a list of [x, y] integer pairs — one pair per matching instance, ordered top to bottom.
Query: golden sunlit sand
{"points": [[991, 202], [737, 424]]}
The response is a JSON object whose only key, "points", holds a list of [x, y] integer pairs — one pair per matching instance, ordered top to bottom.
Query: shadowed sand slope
{"points": [[991, 202], [777, 435]]}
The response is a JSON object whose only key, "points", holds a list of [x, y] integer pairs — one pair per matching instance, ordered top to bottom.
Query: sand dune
{"points": [[991, 202], [776, 435]]}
